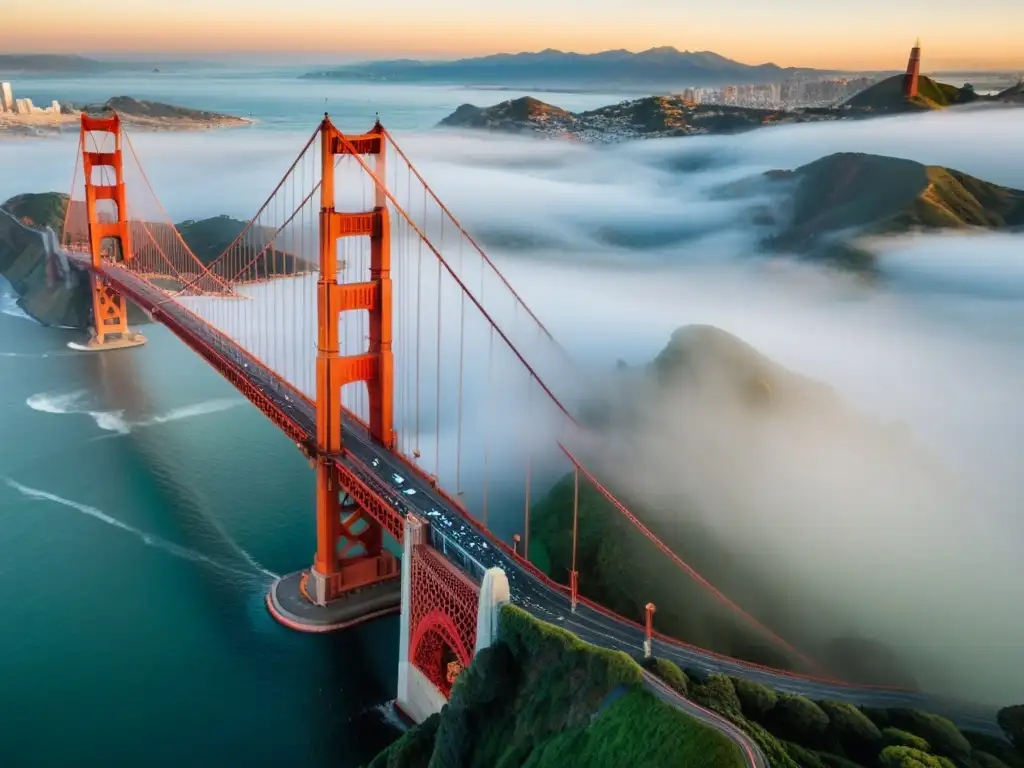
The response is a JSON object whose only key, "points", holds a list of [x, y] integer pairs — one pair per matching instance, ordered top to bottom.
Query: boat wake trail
{"points": [[9, 306], [73, 402], [114, 421], [149, 539]]}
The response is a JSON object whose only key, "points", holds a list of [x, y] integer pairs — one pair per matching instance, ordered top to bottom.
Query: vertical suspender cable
{"points": [[462, 346], [487, 432]]}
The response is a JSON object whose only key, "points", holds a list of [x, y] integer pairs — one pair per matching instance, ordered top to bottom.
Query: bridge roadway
{"points": [[407, 491]]}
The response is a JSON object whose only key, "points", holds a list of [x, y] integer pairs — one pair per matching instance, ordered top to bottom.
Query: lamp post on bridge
{"points": [[515, 543], [573, 575], [648, 629]]}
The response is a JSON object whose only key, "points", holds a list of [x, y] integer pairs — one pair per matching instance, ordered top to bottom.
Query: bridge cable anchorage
{"points": [[779, 641]]}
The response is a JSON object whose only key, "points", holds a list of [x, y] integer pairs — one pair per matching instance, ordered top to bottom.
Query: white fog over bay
{"points": [[938, 345]]}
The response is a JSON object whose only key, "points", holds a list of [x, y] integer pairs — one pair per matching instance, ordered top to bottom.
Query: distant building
{"points": [[913, 72], [6, 98], [23, 106]]}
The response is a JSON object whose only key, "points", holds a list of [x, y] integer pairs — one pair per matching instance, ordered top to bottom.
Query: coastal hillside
{"points": [[48, 62], [550, 68], [1014, 94], [887, 96], [524, 114], [155, 115], [649, 117], [855, 194], [56, 293], [728, 404], [542, 698]]}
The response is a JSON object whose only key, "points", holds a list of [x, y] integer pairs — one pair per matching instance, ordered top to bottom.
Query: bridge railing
{"points": [[456, 554]]}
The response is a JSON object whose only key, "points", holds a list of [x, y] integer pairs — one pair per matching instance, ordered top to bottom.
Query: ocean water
{"points": [[280, 99]]}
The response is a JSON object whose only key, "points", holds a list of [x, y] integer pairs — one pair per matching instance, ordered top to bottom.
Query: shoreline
{"points": [[24, 127]]}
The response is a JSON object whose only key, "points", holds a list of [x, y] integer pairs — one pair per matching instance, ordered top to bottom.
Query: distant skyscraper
{"points": [[913, 72], [6, 98]]}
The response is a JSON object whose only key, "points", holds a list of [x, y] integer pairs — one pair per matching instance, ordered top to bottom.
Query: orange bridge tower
{"points": [[910, 80], [109, 232], [353, 577]]}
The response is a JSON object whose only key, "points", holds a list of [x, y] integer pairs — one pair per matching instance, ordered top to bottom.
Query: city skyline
{"points": [[865, 36]]}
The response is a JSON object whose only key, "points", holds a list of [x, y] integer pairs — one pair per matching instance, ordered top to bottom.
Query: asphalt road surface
{"points": [[408, 492]]}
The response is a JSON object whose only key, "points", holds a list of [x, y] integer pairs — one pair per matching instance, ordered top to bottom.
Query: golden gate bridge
{"points": [[356, 312]]}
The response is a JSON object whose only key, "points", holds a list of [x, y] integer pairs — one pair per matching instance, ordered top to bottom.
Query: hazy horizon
{"points": [[874, 35]]}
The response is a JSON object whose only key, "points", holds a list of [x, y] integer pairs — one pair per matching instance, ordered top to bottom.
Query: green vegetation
{"points": [[887, 96], [869, 194], [39, 209], [24, 263], [68, 303], [668, 672], [542, 698], [1011, 720], [795, 732], [894, 737], [905, 757]]}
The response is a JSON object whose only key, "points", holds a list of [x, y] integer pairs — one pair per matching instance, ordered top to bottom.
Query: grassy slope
{"points": [[887, 96], [871, 194], [542, 698], [795, 732]]}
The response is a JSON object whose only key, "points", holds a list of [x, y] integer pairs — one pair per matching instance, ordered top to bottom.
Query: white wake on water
{"points": [[9, 306], [72, 402], [114, 421], [149, 539]]}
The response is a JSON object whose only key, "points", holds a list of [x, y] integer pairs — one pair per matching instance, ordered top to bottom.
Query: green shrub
{"points": [[669, 673], [718, 694], [756, 700], [797, 719], [1011, 720], [850, 731], [940, 733], [894, 737], [982, 742], [774, 750], [905, 757], [985, 760]]}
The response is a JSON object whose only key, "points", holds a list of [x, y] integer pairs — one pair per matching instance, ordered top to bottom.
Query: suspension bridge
{"points": [[356, 312]]}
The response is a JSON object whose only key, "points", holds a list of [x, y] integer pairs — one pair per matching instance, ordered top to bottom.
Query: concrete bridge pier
{"points": [[417, 697]]}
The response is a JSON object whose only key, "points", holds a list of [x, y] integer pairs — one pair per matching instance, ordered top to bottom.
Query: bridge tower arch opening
{"points": [[109, 232]]}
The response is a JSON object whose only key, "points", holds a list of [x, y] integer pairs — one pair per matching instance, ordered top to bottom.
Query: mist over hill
{"points": [[553, 68], [935, 347]]}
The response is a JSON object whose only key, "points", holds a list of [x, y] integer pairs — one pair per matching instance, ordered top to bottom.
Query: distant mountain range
{"points": [[45, 62], [609, 69]]}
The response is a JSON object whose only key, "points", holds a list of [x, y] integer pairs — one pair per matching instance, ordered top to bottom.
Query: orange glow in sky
{"points": [[869, 34]]}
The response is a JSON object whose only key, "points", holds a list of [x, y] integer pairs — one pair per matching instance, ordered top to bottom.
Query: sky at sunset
{"points": [[868, 34]]}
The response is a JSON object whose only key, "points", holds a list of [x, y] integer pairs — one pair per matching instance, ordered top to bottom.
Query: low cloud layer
{"points": [[924, 560]]}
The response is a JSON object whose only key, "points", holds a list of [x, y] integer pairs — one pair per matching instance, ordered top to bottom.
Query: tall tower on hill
{"points": [[913, 71]]}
